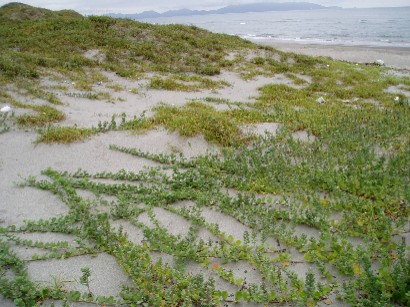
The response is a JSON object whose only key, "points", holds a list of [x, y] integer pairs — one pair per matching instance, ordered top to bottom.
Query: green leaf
{"points": [[230, 239], [239, 281], [238, 295], [74, 296], [246, 296]]}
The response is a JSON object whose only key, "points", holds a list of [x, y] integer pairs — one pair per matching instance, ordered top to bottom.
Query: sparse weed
{"points": [[185, 83], [88, 95], [4, 121]]}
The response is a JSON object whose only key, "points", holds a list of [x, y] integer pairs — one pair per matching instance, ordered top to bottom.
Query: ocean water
{"points": [[379, 27]]}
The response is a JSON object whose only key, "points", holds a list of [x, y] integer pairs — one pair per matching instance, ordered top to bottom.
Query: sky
{"points": [[130, 6]]}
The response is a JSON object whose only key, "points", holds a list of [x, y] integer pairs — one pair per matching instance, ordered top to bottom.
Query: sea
{"points": [[376, 27]]}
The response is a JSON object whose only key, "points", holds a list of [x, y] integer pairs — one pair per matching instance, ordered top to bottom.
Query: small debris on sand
{"points": [[321, 100]]}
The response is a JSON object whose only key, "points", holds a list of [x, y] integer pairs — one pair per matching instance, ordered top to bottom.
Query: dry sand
{"points": [[393, 57], [20, 157]]}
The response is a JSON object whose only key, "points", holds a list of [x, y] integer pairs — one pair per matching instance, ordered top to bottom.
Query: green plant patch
{"points": [[11, 68], [210, 71], [185, 83], [37, 92], [91, 95], [45, 115], [196, 118], [136, 124], [64, 135], [268, 167]]}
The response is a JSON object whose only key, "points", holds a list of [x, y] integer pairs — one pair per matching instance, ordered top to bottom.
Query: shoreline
{"points": [[395, 57]]}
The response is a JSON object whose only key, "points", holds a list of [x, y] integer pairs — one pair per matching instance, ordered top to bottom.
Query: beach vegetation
{"points": [[210, 70], [186, 83], [117, 87], [32, 90], [90, 95], [43, 115], [195, 118], [5, 121], [137, 123], [64, 135], [328, 192]]}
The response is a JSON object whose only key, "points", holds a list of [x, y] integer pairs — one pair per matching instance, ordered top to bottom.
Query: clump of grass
{"points": [[258, 60], [12, 68], [210, 70], [296, 79], [185, 83], [168, 84], [116, 87], [41, 94], [283, 94], [91, 95], [217, 100], [222, 101], [45, 115], [248, 116], [4, 117], [196, 118], [140, 123], [64, 135], [68, 135]]}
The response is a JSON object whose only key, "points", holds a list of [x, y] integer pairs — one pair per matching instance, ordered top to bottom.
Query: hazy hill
{"points": [[242, 8]]}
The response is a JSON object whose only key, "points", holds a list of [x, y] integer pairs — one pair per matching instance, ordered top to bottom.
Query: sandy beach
{"points": [[393, 57], [21, 157]]}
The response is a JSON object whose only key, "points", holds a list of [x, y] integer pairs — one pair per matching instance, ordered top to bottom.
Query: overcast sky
{"points": [[129, 6]]}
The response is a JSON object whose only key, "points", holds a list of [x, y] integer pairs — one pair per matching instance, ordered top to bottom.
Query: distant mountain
{"points": [[241, 8]]}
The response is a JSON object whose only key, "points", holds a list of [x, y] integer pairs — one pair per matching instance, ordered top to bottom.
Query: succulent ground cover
{"points": [[316, 212]]}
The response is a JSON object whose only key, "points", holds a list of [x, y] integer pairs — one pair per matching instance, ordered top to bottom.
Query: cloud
{"points": [[129, 6]]}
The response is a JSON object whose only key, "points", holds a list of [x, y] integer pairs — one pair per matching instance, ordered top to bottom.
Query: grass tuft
{"points": [[185, 83], [45, 115], [196, 118], [64, 135]]}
